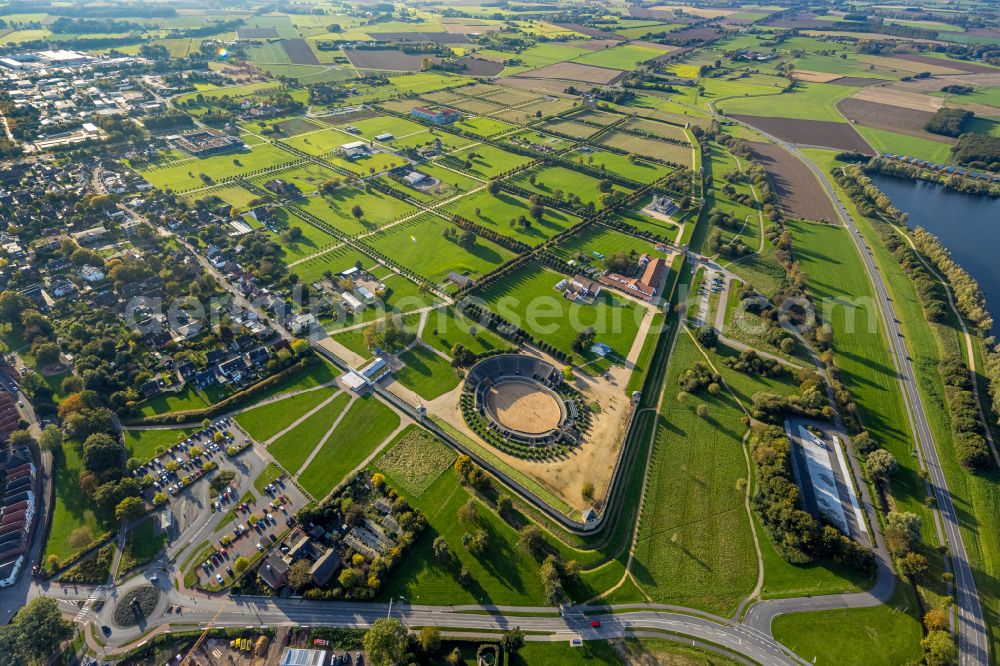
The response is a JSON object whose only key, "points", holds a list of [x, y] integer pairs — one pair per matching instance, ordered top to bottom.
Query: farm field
{"points": [[620, 57], [810, 101], [810, 132], [647, 147], [796, 186], [335, 209], [367, 423]]}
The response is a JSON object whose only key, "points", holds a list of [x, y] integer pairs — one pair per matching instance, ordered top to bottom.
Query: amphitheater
{"points": [[519, 398]]}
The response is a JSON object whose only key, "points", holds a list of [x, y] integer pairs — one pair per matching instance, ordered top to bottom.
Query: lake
{"points": [[967, 224]]}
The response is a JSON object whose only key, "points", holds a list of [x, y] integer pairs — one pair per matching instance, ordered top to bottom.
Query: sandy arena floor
{"points": [[523, 407]]}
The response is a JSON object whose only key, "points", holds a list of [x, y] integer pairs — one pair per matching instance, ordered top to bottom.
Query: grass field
{"points": [[620, 57], [809, 101], [483, 126], [903, 144], [489, 161], [635, 169], [194, 172], [552, 180], [335, 209], [501, 211], [604, 241], [419, 245], [527, 298], [445, 328], [426, 373], [187, 398], [265, 421], [365, 425], [143, 444], [293, 448], [270, 473], [73, 510], [143, 543], [694, 544], [880, 635]]}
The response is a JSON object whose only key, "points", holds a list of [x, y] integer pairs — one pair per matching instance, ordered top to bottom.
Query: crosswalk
{"points": [[100, 593]]}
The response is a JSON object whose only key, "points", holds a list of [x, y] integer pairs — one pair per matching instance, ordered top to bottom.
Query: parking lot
{"points": [[249, 522]]}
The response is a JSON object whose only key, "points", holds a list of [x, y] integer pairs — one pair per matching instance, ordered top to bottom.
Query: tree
{"points": [[493, 188], [357, 211], [13, 303], [20, 438], [880, 464], [587, 492], [505, 504], [130, 508], [467, 512], [902, 531], [80, 537], [530, 538], [477, 542], [442, 553], [241, 564], [913, 565], [298, 575], [350, 578], [936, 620], [40, 626], [429, 639], [512, 640], [386, 642], [939, 649]]}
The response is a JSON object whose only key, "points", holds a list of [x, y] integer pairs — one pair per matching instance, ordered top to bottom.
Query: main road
{"points": [[971, 629]]}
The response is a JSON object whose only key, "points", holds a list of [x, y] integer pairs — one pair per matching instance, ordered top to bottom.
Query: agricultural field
{"points": [[644, 147], [489, 161], [623, 165], [192, 173], [557, 182]]}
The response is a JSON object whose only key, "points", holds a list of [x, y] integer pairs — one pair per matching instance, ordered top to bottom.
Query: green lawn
{"points": [[489, 161], [633, 168], [187, 174], [552, 180], [501, 211], [419, 245], [527, 297], [445, 328], [426, 373], [315, 374], [187, 398], [265, 421], [365, 425], [144, 444], [293, 448], [270, 473], [73, 509], [143, 543], [694, 545], [880, 635]]}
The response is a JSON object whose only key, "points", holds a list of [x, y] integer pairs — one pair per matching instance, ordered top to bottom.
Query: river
{"points": [[967, 224]]}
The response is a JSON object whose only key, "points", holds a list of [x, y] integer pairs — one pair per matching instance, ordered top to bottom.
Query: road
{"points": [[971, 629]]}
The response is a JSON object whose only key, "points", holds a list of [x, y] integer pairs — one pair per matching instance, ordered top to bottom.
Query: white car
{"points": [[219, 578]]}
